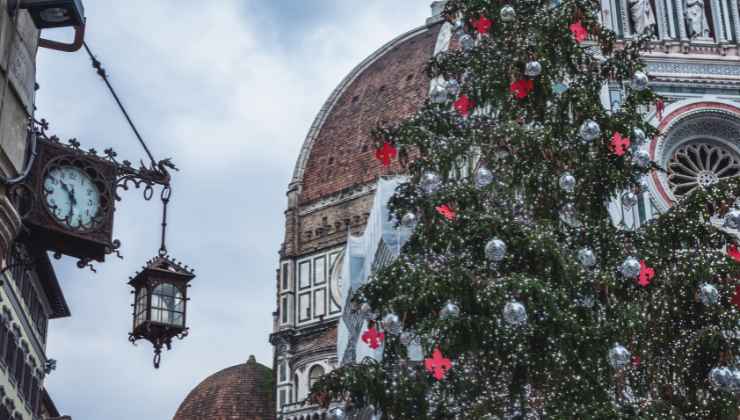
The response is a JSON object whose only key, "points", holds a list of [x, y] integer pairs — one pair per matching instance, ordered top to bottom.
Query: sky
{"points": [[228, 89]]}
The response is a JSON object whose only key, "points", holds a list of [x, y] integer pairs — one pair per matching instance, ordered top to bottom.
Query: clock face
{"points": [[72, 197]]}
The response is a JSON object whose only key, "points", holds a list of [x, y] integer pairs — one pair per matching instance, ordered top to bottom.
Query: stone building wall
{"points": [[24, 305]]}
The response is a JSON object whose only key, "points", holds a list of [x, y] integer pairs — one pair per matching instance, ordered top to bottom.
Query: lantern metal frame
{"points": [[160, 270]]}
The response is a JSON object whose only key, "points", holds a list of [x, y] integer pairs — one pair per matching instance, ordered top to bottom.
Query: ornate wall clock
{"points": [[70, 201]]}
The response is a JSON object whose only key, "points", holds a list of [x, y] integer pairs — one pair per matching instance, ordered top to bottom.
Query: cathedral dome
{"points": [[389, 85], [241, 392]]}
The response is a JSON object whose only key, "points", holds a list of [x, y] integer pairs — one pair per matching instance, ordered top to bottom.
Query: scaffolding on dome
{"points": [[364, 255]]}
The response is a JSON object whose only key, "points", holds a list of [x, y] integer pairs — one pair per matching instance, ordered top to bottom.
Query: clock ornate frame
{"points": [[109, 174]]}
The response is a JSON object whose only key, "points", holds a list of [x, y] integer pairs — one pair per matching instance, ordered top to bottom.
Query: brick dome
{"points": [[388, 86], [241, 392]]}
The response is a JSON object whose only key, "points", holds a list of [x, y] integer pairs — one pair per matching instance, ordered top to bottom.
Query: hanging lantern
{"points": [[160, 296], [160, 303]]}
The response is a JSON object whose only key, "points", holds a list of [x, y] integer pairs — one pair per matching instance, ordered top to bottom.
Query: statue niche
{"points": [[643, 17], [696, 19]]}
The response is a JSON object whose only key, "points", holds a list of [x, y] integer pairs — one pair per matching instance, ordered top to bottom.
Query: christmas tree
{"points": [[527, 300]]}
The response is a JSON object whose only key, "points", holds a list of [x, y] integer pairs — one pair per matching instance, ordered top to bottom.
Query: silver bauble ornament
{"points": [[508, 14], [467, 42], [533, 69], [640, 81], [453, 88], [438, 95], [589, 131], [638, 136], [642, 158], [483, 177], [430, 182], [567, 182], [629, 199], [568, 211], [732, 219], [409, 220], [495, 250], [586, 257], [630, 268], [708, 294], [449, 311], [515, 314], [392, 324], [619, 356], [720, 378], [336, 413]]}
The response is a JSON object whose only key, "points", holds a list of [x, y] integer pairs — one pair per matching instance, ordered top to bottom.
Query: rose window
{"points": [[698, 165]]}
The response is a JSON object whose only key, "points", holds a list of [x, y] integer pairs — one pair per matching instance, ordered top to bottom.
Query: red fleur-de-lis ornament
{"points": [[482, 24], [579, 32], [521, 88], [463, 105], [619, 144], [386, 153], [446, 211], [733, 252], [646, 274], [372, 337], [438, 365]]}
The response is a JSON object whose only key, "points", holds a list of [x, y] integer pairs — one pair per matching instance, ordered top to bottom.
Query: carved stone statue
{"points": [[642, 15], [696, 19]]}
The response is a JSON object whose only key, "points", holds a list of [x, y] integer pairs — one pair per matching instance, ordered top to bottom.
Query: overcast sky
{"points": [[228, 89]]}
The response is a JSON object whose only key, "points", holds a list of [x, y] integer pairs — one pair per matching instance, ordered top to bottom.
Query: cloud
{"points": [[228, 89]]}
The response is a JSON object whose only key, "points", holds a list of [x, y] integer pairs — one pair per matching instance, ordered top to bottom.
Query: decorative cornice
{"points": [[687, 68], [343, 196]]}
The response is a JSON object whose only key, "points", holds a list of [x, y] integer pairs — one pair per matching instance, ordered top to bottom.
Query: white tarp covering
{"points": [[377, 247]]}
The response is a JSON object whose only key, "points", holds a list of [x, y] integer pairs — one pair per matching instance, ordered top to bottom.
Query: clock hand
{"points": [[73, 201]]}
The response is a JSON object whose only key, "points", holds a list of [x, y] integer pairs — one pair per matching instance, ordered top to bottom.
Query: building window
{"points": [[698, 164], [319, 270], [285, 273], [304, 275], [319, 302], [168, 305], [304, 307], [284, 310], [4, 337], [10, 353], [20, 365], [283, 372], [314, 375], [296, 383], [36, 390], [282, 397]]}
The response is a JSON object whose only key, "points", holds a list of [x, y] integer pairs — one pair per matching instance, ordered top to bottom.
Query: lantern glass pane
{"points": [[168, 305], [140, 307]]}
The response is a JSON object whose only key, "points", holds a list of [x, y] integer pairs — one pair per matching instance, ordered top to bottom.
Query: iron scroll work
{"points": [[160, 288]]}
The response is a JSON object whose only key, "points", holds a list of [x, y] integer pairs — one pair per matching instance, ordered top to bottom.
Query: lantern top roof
{"points": [[164, 264]]}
